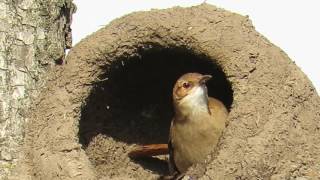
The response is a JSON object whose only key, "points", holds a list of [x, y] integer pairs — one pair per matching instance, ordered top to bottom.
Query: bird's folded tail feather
{"points": [[149, 150]]}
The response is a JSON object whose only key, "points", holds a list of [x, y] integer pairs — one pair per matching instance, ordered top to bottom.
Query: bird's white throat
{"points": [[196, 101]]}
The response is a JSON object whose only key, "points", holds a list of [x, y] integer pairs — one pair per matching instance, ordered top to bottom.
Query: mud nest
{"points": [[115, 91]]}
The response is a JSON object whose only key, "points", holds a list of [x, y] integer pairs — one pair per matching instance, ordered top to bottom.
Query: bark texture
{"points": [[33, 37], [115, 92]]}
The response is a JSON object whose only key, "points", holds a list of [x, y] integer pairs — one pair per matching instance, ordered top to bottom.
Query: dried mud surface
{"points": [[114, 92]]}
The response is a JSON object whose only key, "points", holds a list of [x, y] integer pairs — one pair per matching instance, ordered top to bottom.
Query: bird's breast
{"points": [[193, 140]]}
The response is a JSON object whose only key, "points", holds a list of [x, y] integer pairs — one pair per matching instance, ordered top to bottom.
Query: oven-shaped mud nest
{"points": [[115, 92], [132, 104]]}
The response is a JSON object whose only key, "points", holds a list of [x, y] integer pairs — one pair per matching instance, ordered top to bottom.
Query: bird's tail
{"points": [[149, 150]]}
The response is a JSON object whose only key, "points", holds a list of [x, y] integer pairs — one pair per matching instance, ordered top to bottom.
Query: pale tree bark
{"points": [[33, 37]]}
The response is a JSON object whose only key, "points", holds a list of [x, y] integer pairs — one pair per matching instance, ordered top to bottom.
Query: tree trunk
{"points": [[33, 37]]}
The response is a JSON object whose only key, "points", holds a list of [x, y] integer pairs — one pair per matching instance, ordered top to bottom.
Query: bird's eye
{"points": [[186, 85]]}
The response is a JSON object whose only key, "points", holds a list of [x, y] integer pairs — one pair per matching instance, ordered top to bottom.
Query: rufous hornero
{"points": [[196, 127]]}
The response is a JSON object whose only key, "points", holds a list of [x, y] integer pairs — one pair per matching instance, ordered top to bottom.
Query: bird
{"points": [[198, 122], [196, 127]]}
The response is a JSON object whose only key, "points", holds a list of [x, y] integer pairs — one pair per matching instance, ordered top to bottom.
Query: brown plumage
{"points": [[198, 122], [196, 127], [149, 150]]}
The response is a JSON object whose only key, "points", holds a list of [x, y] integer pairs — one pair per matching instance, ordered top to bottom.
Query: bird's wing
{"points": [[217, 106], [172, 166]]}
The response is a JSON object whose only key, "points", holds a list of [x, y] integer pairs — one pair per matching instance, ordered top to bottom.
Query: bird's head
{"points": [[190, 92]]}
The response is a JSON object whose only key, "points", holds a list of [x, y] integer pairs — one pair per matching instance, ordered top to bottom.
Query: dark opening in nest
{"points": [[133, 102]]}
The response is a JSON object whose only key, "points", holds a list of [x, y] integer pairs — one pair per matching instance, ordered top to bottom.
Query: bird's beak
{"points": [[204, 79]]}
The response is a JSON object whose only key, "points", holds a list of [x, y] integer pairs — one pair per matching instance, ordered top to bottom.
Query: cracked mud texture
{"points": [[114, 92]]}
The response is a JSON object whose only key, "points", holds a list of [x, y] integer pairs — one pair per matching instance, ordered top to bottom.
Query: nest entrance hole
{"points": [[132, 104]]}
